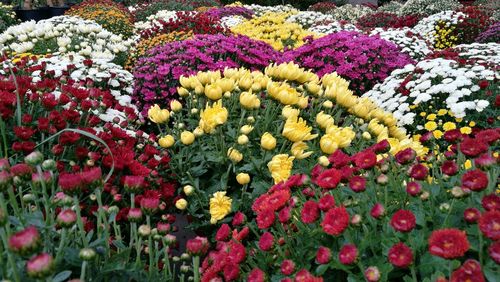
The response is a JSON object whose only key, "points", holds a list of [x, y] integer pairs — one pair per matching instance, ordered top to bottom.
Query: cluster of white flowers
{"points": [[391, 7], [428, 7], [261, 10], [350, 12], [308, 19], [154, 20], [230, 21], [426, 26], [333, 27], [64, 35], [407, 41], [482, 52], [439, 81]]}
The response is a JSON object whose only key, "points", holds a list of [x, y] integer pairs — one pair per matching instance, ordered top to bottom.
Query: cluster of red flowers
{"points": [[323, 7], [388, 20], [477, 20], [196, 23]]}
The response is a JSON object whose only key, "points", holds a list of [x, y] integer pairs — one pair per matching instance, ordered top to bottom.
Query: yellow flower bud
{"points": [[245, 82], [313, 87], [199, 89], [183, 92], [213, 92], [249, 101], [303, 102], [328, 104], [175, 105], [194, 110], [289, 112], [158, 115], [250, 119], [324, 120], [246, 129], [198, 132], [366, 135], [187, 137], [242, 139], [166, 141], [267, 141], [328, 144], [298, 149], [234, 155], [323, 161], [243, 178], [188, 190], [181, 204]]}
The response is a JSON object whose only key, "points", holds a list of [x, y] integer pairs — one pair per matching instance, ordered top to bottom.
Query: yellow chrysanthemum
{"points": [[213, 116], [430, 125], [447, 126], [296, 130], [280, 167], [220, 206]]}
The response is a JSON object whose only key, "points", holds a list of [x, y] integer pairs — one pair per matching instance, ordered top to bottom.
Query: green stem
{"points": [[4, 138], [13, 203], [48, 216], [102, 216], [80, 222], [480, 244], [150, 246], [60, 250], [138, 252], [196, 268], [82, 275]]}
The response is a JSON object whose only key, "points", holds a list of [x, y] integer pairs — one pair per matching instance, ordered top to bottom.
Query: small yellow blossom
{"points": [[280, 167], [220, 206]]}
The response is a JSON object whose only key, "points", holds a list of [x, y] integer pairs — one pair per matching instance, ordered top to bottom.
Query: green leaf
{"points": [[321, 269], [61, 276]]}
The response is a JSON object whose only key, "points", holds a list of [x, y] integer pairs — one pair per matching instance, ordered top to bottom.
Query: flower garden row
{"points": [[342, 143]]}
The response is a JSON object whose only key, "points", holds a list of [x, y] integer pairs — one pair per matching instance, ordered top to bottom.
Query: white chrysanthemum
{"points": [[308, 19], [406, 40]]}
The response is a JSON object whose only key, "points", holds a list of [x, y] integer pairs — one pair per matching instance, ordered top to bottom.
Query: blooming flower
{"points": [[212, 116], [280, 167], [220, 206], [335, 221], [403, 221], [489, 224], [448, 243], [348, 254], [400, 255]]}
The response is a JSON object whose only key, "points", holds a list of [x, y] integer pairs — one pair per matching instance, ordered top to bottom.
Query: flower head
{"points": [[212, 116], [280, 167], [220, 206], [448, 243]]}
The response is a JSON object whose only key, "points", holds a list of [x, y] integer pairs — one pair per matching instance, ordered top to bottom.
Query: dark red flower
{"points": [[453, 135], [381, 147], [473, 147], [405, 156], [339, 159], [365, 159], [485, 161], [449, 168], [418, 171], [329, 178], [475, 180], [71, 183], [133, 183], [357, 183], [413, 188], [274, 201], [326, 202], [491, 202], [150, 204], [377, 211], [310, 212], [285, 214], [134, 215], [472, 215], [238, 219], [265, 219], [335, 221], [403, 221], [489, 224], [223, 233], [266, 241], [448, 243], [197, 246], [494, 251], [237, 252], [348, 254], [323, 255], [400, 255], [287, 267], [469, 271], [231, 272], [256, 275], [304, 276]]}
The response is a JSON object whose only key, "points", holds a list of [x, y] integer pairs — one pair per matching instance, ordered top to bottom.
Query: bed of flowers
{"points": [[177, 140]]}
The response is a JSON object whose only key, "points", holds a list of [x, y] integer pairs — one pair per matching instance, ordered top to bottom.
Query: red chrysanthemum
{"points": [[473, 147], [365, 159], [418, 171], [329, 178], [475, 180], [357, 183], [273, 201], [326, 202], [491, 202], [310, 212], [471, 215], [265, 219], [335, 221], [403, 221], [489, 224], [223, 233], [266, 241], [448, 243], [494, 251], [348, 254], [323, 255], [400, 255], [287, 267], [469, 271], [256, 275]]}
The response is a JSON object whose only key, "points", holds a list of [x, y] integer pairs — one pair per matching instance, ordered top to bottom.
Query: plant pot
{"points": [[57, 11], [33, 14]]}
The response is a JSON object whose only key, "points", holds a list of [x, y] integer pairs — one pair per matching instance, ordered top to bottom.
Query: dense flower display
{"points": [[428, 7], [144, 10], [262, 10], [350, 12], [110, 15], [7, 17], [308, 18], [388, 20], [333, 27], [273, 29], [492, 34], [65, 35], [406, 40], [349, 54], [156, 75], [461, 90]]}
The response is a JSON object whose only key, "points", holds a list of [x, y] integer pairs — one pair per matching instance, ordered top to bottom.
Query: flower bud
{"points": [[328, 104], [175, 105], [250, 119], [246, 129], [198, 132], [366, 135], [187, 137], [242, 139], [166, 141], [267, 141], [234, 155], [34, 158], [323, 161], [49, 165], [243, 178], [382, 179], [5, 180], [188, 190], [457, 192], [425, 195], [181, 204], [377, 211], [134, 215], [66, 218], [356, 219], [162, 228], [144, 230], [170, 239], [25, 242], [197, 246], [87, 254], [185, 256], [40, 266], [184, 268], [372, 274]]}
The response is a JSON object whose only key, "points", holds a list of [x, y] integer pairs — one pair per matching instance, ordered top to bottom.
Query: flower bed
{"points": [[428, 7], [143, 11], [7, 17], [65, 35], [406, 40], [361, 59], [156, 74]]}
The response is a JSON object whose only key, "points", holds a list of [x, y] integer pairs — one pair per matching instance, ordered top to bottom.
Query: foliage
{"points": [[143, 11], [7, 17]]}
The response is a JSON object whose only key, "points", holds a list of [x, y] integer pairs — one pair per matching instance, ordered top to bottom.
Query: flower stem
{"points": [[80, 221], [480, 245], [150, 246], [60, 250], [196, 268], [82, 274]]}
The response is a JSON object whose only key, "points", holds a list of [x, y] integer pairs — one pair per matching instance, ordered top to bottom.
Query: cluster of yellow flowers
{"points": [[109, 16], [273, 29], [445, 35], [146, 44], [285, 111], [438, 123]]}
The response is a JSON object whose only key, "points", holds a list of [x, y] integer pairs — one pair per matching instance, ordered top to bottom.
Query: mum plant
{"points": [[428, 7], [144, 10], [350, 13], [110, 15], [7, 17], [492, 34], [65, 35], [407, 41], [361, 59], [156, 74], [443, 94], [251, 129], [77, 177], [354, 218]]}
